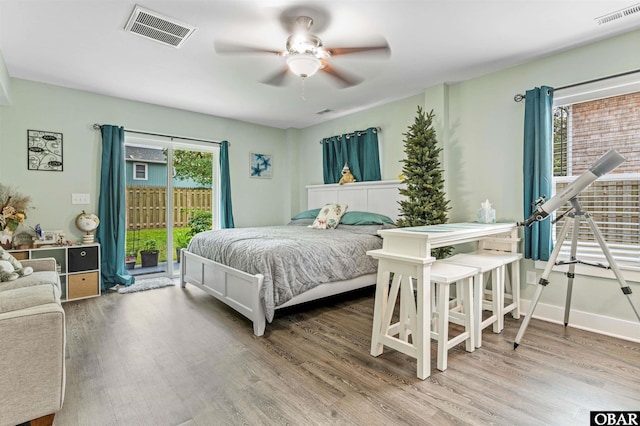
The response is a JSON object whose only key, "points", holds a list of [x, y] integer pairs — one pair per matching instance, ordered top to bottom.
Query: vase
{"points": [[5, 239]]}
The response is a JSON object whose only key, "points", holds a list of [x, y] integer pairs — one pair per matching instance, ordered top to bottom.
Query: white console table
{"points": [[406, 252]]}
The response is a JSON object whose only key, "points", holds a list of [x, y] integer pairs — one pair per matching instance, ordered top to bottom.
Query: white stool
{"points": [[484, 265], [443, 274], [511, 281], [409, 334]]}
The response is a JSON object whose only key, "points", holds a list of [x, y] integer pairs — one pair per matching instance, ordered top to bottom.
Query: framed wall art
{"points": [[44, 150], [261, 165], [49, 237]]}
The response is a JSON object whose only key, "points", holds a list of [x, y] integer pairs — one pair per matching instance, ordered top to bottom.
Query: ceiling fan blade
{"points": [[224, 47], [382, 49], [277, 79], [344, 79]]}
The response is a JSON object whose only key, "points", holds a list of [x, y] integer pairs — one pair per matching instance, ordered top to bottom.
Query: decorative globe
{"points": [[87, 223]]}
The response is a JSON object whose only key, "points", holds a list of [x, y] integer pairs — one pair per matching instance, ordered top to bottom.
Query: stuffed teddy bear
{"points": [[347, 177], [9, 266], [7, 273]]}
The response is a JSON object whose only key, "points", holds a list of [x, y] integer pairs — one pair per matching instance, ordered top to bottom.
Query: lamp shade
{"points": [[303, 65]]}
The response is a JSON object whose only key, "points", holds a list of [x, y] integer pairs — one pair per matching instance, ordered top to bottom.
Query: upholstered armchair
{"points": [[32, 346]]}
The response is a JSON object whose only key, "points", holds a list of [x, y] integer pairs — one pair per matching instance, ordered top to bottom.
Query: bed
{"points": [[259, 274]]}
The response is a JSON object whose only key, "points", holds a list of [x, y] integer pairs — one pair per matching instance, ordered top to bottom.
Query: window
{"points": [[583, 132], [140, 171]]}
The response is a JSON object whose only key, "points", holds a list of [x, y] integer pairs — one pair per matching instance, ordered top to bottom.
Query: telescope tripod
{"points": [[576, 215]]}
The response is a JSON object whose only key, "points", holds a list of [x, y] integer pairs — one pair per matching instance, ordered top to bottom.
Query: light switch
{"points": [[80, 198]]}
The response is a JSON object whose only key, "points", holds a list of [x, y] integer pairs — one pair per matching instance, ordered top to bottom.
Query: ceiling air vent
{"points": [[622, 13], [153, 26]]}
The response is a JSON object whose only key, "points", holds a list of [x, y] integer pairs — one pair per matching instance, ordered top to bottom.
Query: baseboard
{"points": [[614, 327]]}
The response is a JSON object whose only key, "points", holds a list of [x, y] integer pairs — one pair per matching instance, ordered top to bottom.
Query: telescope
{"points": [[603, 165]]}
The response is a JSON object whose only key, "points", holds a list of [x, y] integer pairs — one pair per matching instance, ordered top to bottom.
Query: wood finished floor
{"points": [[176, 356]]}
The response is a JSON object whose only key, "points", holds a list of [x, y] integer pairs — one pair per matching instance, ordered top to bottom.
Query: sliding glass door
{"points": [[193, 195], [170, 197]]}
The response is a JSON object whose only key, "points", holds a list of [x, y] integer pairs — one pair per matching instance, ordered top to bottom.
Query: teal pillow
{"points": [[307, 214], [365, 218]]}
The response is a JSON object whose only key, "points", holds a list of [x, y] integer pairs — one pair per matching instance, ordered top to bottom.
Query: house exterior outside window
{"points": [[583, 132], [140, 171]]}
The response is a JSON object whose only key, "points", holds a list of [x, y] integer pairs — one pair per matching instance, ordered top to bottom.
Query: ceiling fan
{"points": [[305, 55]]}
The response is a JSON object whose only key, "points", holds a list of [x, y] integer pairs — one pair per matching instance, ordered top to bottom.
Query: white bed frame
{"points": [[240, 290]]}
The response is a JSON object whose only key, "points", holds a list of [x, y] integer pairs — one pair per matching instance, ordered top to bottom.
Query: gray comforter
{"points": [[293, 259]]}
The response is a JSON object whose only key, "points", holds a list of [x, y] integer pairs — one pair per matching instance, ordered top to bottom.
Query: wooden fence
{"points": [[147, 206], [613, 206]]}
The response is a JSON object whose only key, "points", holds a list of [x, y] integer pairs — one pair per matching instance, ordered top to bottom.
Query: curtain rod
{"points": [[519, 97], [377, 129], [172, 137]]}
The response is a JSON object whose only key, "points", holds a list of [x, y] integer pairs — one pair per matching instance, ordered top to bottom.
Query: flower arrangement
{"points": [[13, 208]]}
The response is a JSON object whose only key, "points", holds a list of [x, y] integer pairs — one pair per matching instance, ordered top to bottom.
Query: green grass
{"points": [[160, 235]]}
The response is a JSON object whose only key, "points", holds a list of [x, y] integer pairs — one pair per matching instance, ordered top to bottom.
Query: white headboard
{"points": [[377, 197]]}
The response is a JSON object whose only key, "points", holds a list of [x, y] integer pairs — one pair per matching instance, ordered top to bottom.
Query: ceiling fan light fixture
{"points": [[304, 43], [303, 65]]}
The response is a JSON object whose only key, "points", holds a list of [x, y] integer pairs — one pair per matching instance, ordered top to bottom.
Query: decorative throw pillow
{"points": [[307, 214], [329, 216], [365, 218], [5, 255], [15, 263], [7, 273]]}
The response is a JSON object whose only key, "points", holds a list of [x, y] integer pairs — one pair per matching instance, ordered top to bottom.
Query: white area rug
{"points": [[147, 284]]}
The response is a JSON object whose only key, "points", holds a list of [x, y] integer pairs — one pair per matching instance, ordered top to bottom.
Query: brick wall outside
{"points": [[604, 124]]}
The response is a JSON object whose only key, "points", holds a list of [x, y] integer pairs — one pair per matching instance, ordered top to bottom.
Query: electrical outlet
{"points": [[80, 199], [531, 277]]}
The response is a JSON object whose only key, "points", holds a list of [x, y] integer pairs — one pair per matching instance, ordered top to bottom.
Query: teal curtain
{"points": [[359, 150], [331, 155], [370, 155], [538, 168], [226, 212], [111, 233]]}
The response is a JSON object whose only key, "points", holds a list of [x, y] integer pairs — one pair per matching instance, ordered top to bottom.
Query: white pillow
{"points": [[329, 216]]}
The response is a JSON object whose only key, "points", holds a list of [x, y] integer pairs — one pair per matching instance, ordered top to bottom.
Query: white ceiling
{"points": [[82, 44]]}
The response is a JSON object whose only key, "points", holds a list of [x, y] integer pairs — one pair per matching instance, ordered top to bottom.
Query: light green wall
{"points": [[73, 112], [480, 128], [292, 136]]}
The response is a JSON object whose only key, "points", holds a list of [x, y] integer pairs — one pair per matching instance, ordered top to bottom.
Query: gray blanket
{"points": [[293, 259]]}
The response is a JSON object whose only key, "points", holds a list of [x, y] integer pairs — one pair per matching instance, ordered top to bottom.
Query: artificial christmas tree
{"points": [[424, 185]]}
